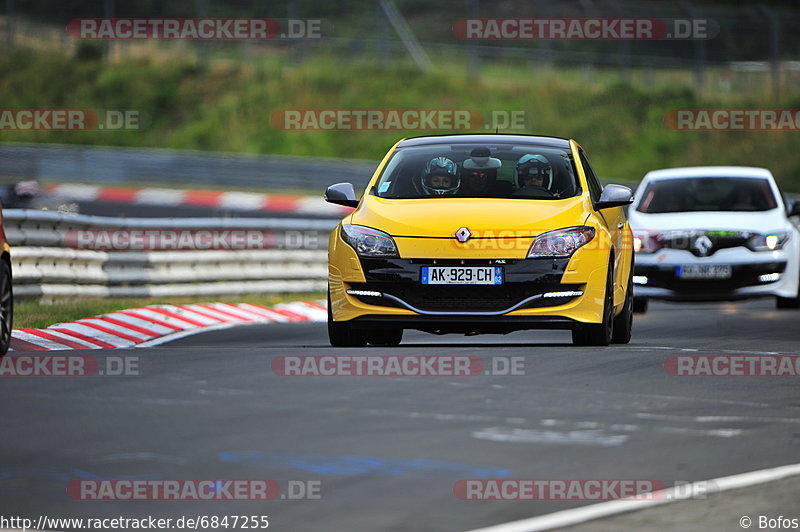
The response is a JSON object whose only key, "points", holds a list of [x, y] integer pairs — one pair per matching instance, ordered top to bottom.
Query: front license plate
{"points": [[704, 271], [461, 275]]}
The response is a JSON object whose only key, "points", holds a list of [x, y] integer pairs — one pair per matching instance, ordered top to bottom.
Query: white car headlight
{"points": [[647, 241], [768, 241], [369, 242], [561, 242]]}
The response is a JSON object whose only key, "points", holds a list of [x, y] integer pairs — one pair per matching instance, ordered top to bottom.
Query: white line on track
{"points": [[693, 350], [578, 392], [717, 419], [573, 437], [592, 512]]}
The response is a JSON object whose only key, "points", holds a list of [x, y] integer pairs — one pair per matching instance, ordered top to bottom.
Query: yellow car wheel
{"points": [[788, 302], [623, 322], [342, 334], [599, 334]]}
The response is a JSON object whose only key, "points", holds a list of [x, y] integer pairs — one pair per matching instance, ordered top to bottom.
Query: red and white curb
{"points": [[169, 197], [158, 324]]}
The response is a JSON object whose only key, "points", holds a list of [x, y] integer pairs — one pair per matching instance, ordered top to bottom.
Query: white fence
{"points": [[43, 265]]}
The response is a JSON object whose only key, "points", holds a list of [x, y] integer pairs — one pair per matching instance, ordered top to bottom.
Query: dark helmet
{"points": [[534, 166]]}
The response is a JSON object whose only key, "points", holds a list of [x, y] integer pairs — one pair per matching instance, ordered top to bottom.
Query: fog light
{"points": [[769, 277], [640, 279], [367, 293], [574, 293]]}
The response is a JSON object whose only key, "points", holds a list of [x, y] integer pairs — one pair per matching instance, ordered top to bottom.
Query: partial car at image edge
{"points": [[6, 291]]}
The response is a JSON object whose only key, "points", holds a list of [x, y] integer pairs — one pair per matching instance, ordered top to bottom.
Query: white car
{"points": [[714, 233]]}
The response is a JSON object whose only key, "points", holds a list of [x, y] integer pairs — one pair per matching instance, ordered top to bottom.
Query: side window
{"points": [[594, 185]]}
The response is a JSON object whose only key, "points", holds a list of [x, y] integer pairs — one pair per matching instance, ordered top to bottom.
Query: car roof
{"points": [[493, 138], [708, 171]]}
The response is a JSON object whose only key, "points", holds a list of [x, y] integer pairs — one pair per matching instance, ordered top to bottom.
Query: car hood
{"points": [[442, 217], [771, 220]]}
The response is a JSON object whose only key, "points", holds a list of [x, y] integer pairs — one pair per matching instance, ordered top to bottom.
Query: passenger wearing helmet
{"points": [[479, 174], [534, 175], [440, 177]]}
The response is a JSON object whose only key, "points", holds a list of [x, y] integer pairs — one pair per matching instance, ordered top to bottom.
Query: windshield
{"points": [[461, 170], [707, 194]]}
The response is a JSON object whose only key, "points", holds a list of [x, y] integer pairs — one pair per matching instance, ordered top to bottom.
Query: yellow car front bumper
{"points": [[586, 271]]}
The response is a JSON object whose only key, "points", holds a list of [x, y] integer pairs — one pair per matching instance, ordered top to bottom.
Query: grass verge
{"points": [[37, 314]]}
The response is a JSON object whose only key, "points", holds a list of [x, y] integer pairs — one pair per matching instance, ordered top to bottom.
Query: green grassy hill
{"points": [[227, 107]]}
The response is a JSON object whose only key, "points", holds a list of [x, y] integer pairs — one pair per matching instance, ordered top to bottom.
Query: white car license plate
{"points": [[704, 271], [461, 275]]}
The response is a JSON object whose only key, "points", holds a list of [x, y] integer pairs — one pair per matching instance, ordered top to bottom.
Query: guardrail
{"points": [[111, 165], [293, 260]]}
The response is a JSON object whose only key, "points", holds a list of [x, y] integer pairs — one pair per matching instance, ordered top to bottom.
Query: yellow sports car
{"points": [[480, 234]]}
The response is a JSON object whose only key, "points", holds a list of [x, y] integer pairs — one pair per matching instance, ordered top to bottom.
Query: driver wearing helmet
{"points": [[534, 171], [440, 177]]}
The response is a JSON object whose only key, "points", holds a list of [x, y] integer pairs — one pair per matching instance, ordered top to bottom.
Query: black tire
{"points": [[785, 303], [640, 305], [6, 307], [623, 322], [341, 334], [599, 334], [385, 337]]}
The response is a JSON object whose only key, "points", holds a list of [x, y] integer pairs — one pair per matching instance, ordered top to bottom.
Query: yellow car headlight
{"points": [[369, 242], [561, 242]]}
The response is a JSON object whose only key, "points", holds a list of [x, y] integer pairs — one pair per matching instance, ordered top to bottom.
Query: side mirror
{"points": [[341, 194], [614, 196], [793, 209]]}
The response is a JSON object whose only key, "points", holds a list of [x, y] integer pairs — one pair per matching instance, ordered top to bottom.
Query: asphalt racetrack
{"points": [[384, 453]]}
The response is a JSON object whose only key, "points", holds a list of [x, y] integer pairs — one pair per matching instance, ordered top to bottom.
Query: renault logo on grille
{"points": [[463, 234], [703, 245]]}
